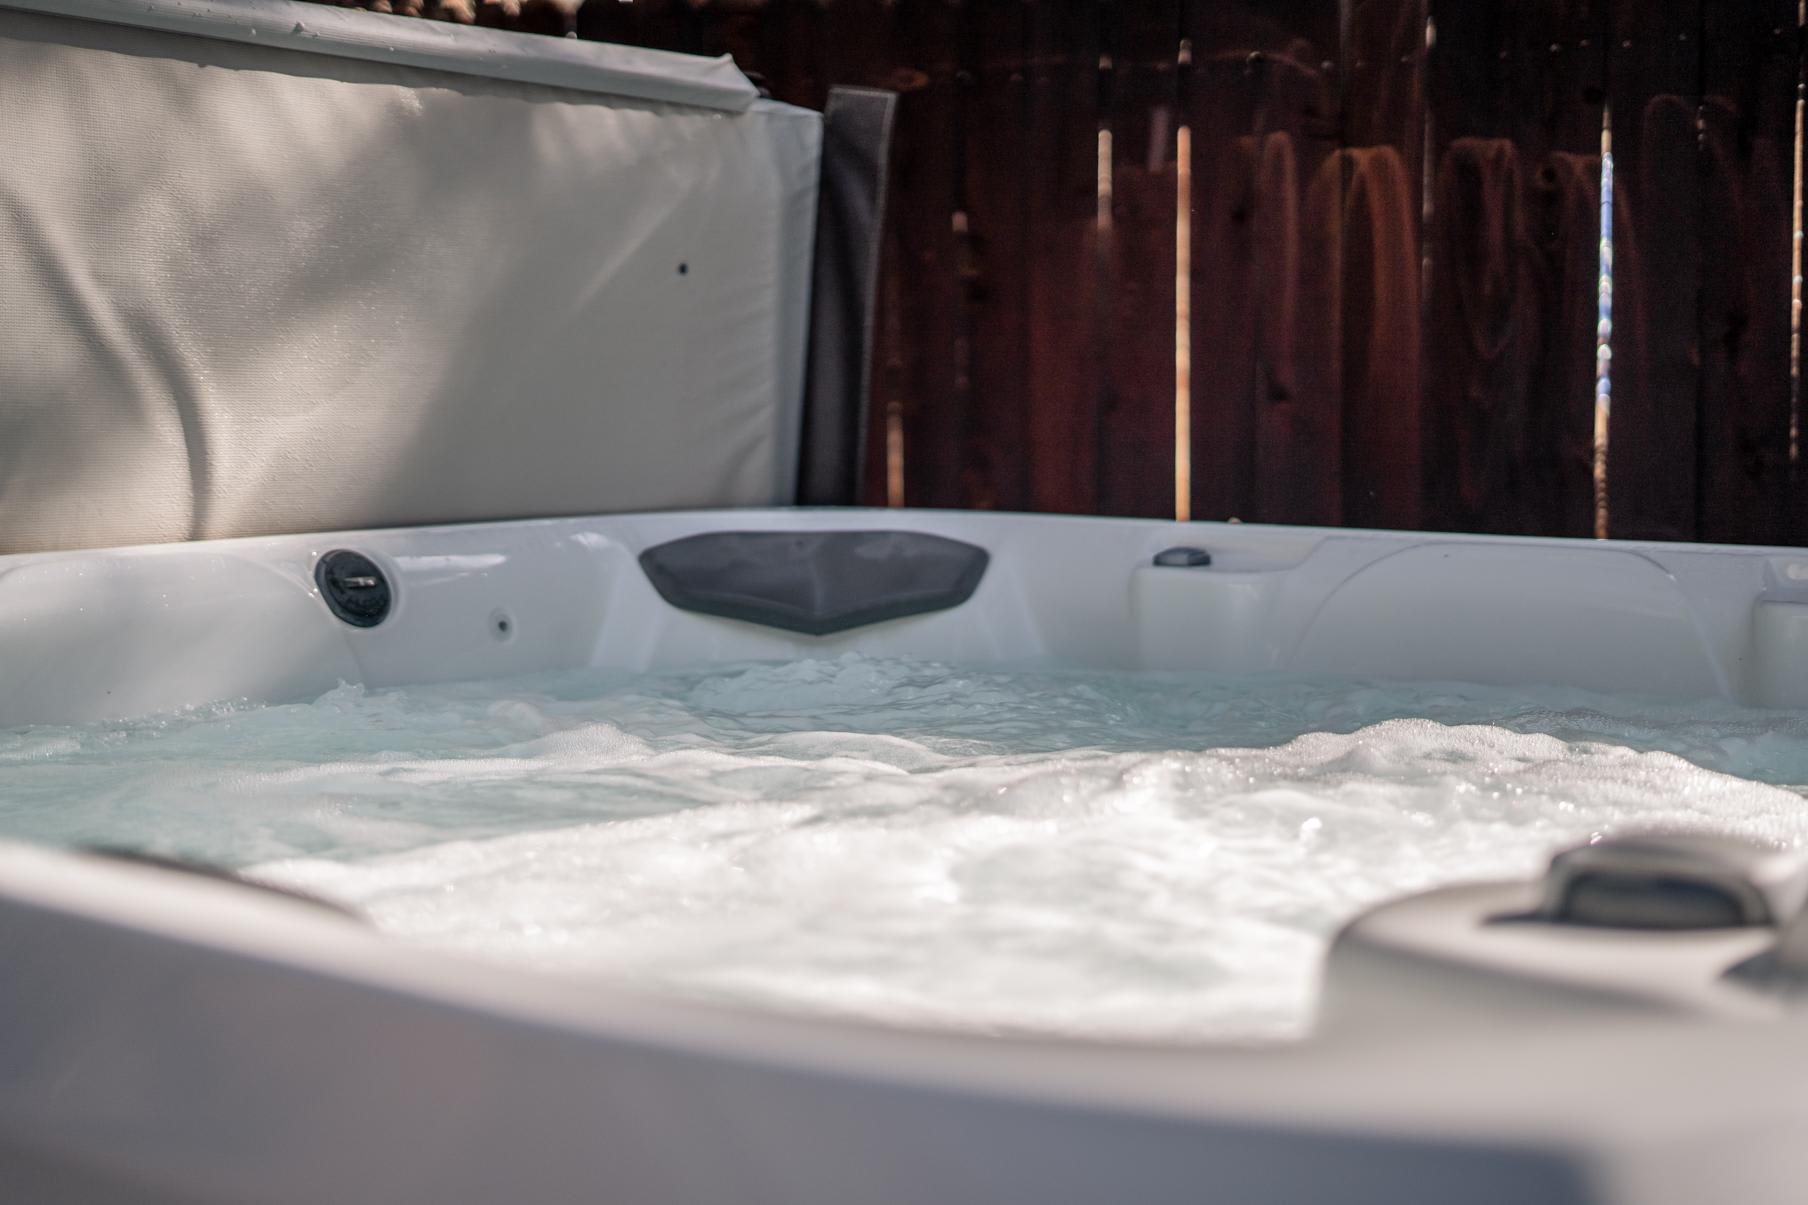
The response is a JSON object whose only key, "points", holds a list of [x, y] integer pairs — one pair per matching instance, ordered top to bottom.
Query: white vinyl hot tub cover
{"points": [[253, 281]]}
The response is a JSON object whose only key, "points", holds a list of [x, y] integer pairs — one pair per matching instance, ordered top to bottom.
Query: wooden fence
{"points": [[1346, 254]]}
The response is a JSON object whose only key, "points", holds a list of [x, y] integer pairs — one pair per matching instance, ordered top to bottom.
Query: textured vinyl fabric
{"points": [[247, 290]]}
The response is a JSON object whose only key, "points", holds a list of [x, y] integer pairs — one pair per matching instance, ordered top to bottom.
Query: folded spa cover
{"points": [[277, 267]]}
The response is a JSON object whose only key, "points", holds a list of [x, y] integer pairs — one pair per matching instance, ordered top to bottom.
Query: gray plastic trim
{"points": [[628, 71], [817, 583], [1673, 881]]}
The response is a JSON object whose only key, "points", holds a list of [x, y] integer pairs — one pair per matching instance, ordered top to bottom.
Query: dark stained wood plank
{"points": [[549, 18], [606, 21], [635, 23], [669, 25], [708, 27], [733, 27], [857, 41], [780, 42], [806, 47], [790, 52], [1749, 75], [1223, 87], [1515, 98], [1263, 107], [1382, 170], [926, 172], [995, 213], [1565, 224], [1299, 238], [1063, 304], [1653, 446], [1136, 467], [884, 483], [1795, 512]]}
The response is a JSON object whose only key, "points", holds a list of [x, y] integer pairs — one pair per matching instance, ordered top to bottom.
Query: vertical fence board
{"points": [[608, 21], [660, 24], [670, 25], [732, 27], [786, 46], [812, 47], [1749, 68], [1655, 75], [1224, 92], [1515, 101], [1263, 103], [1383, 168], [1061, 182], [925, 195], [1564, 212], [1299, 240], [891, 359], [1136, 467], [995, 470], [1795, 512]]}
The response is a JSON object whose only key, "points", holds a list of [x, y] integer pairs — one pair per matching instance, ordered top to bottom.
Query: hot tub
{"points": [[313, 270], [167, 1035]]}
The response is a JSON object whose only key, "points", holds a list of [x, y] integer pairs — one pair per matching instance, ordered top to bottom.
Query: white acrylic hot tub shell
{"points": [[119, 632], [167, 1039], [170, 1039]]}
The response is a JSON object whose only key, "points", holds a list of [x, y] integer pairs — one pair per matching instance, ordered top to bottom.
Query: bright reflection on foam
{"points": [[1127, 855]]}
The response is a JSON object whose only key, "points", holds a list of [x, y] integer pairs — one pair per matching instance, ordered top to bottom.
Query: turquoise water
{"points": [[1115, 854]]}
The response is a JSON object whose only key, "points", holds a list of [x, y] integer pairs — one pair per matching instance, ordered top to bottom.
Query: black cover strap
{"points": [[850, 218]]}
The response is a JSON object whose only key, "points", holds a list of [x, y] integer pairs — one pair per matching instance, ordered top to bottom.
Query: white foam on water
{"points": [[1109, 854]]}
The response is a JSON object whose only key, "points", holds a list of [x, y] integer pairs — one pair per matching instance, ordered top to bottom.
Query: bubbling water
{"points": [[1124, 855]]}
